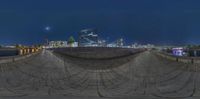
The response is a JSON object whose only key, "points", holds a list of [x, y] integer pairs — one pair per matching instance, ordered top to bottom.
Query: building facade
{"points": [[88, 38], [120, 42], [102, 43], [117, 43], [57, 44], [60, 44], [177, 51], [195, 52]]}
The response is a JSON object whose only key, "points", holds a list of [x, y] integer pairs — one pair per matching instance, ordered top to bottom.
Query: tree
{"points": [[71, 40]]}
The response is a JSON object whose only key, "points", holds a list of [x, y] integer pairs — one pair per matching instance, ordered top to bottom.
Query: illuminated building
{"points": [[88, 38], [57, 44], [177, 51]]}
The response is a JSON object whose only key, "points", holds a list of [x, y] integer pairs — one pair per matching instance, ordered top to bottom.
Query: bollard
{"points": [[36, 49], [32, 50], [20, 51], [25, 51]]}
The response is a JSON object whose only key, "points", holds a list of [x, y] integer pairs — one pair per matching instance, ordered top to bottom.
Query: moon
{"points": [[47, 28]]}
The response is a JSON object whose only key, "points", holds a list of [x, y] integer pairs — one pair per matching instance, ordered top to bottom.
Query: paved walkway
{"points": [[142, 76]]}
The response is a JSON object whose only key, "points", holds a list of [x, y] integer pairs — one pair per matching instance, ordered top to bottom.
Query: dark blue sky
{"points": [[142, 21]]}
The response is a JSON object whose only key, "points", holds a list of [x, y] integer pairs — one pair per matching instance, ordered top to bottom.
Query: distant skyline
{"points": [[174, 22]]}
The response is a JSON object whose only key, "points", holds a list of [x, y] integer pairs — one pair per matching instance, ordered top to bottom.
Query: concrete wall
{"points": [[15, 58], [191, 60]]}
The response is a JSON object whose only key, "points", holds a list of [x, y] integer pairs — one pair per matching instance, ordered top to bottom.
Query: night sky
{"points": [[142, 21]]}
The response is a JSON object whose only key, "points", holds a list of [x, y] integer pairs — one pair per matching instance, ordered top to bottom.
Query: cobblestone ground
{"points": [[140, 76]]}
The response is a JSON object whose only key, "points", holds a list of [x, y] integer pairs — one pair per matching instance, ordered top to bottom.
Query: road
{"points": [[143, 76]]}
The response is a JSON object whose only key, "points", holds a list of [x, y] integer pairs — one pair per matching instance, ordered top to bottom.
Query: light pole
{"points": [[47, 29]]}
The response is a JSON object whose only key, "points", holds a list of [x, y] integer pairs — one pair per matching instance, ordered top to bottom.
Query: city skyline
{"points": [[156, 22]]}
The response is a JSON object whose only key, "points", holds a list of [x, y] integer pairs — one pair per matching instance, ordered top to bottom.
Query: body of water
{"points": [[5, 52]]}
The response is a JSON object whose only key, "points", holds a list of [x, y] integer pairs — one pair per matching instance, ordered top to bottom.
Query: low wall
{"points": [[96, 52], [15, 58], [191, 60]]}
